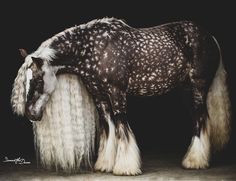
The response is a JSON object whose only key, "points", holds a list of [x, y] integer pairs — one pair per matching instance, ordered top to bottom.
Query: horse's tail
{"points": [[219, 108]]}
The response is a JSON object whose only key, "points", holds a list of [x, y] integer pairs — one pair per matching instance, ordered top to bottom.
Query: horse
{"points": [[114, 60]]}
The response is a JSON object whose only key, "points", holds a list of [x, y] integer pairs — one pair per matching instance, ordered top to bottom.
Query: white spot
{"points": [[105, 34], [105, 55], [94, 67], [29, 76], [151, 78]]}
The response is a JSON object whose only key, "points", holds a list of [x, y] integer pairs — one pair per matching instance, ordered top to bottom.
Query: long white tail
{"points": [[219, 109]]}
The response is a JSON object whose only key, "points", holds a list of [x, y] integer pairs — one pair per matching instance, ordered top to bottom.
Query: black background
{"points": [[159, 123]]}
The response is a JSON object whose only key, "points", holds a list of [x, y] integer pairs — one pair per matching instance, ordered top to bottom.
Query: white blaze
{"points": [[29, 76]]}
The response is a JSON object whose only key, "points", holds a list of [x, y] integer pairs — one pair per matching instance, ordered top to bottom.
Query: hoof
{"points": [[195, 163], [102, 167], [127, 172]]}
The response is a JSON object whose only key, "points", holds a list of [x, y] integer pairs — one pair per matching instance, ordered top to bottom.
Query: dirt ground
{"points": [[155, 167]]}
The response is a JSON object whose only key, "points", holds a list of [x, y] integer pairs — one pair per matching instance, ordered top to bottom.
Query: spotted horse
{"points": [[114, 60]]}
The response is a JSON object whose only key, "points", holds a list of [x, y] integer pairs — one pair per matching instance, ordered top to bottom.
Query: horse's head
{"points": [[40, 83]]}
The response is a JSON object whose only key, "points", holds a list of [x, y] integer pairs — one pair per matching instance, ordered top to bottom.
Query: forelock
{"points": [[19, 90]]}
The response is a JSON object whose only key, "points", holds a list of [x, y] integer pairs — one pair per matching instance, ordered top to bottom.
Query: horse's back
{"points": [[165, 55], [160, 60], [149, 61]]}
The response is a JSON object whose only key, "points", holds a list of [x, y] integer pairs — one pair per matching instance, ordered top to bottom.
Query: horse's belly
{"points": [[148, 85], [149, 89]]}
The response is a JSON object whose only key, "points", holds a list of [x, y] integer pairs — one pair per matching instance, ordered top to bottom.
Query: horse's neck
{"points": [[67, 42], [69, 49]]}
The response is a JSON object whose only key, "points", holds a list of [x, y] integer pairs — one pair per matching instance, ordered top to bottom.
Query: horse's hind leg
{"points": [[107, 144], [197, 156], [127, 157]]}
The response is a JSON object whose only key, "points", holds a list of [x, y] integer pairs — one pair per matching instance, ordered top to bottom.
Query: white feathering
{"points": [[107, 148], [198, 154], [128, 160]]}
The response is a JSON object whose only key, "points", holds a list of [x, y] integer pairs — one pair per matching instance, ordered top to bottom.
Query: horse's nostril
{"points": [[32, 114], [35, 117]]}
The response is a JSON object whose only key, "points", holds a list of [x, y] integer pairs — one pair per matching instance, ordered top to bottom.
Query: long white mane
{"points": [[64, 138]]}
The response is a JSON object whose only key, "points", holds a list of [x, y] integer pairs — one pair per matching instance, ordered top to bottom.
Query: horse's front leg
{"points": [[107, 143], [127, 160]]}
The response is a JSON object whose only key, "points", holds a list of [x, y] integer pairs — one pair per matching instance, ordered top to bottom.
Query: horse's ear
{"points": [[23, 52], [37, 61]]}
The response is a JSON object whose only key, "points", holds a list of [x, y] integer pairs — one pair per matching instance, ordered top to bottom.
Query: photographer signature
{"points": [[20, 161]]}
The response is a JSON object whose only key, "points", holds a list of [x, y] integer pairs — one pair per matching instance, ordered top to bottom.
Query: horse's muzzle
{"points": [[32, 114]]}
